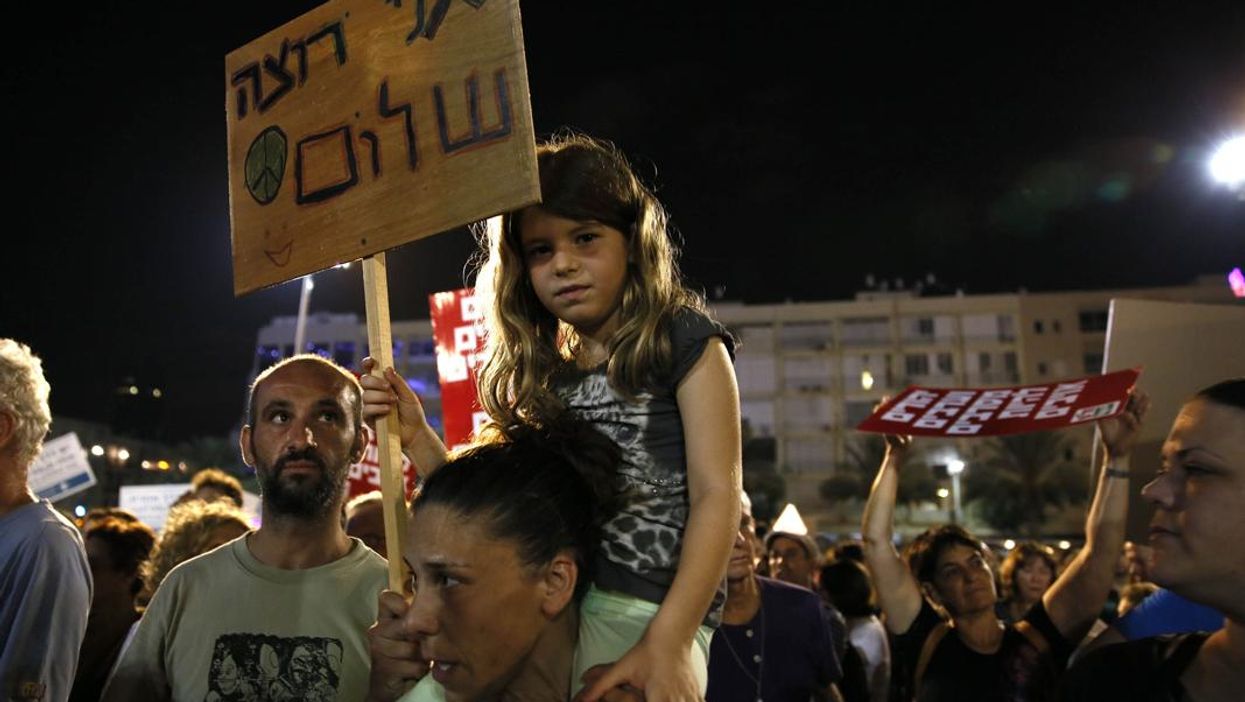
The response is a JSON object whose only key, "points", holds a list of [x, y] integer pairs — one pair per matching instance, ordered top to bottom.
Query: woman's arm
{"points": [[709, 404], [898, 592], [1075, 599]]}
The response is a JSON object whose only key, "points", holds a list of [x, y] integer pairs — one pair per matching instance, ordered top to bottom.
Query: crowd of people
{"points": [[595, 543]]}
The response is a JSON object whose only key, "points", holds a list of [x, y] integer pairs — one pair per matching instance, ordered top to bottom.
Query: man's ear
{"points": [[361, 441], [244, 443], [558, 583]]}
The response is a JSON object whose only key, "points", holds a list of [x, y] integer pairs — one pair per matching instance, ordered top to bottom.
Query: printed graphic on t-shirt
{"points": [[262, 668]]}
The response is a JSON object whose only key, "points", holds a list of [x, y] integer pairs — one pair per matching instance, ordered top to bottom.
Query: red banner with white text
{"points": [[458, 329], [995, 411], [365, 475]]}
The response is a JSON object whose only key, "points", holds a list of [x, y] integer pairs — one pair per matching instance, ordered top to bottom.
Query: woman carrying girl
{"points": [[586, 311]]}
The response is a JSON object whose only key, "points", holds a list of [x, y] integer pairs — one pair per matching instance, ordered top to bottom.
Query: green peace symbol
{"points": [[265, 165]]}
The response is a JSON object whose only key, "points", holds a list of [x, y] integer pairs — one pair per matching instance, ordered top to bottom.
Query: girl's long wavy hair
{"points": [[583, 179]]}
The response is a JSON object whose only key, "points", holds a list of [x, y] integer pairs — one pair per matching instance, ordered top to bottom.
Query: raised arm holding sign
{"points": [[947, 566]]}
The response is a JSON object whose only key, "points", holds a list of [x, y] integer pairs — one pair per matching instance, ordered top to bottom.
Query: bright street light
{"points": [[1227, 166], [954, 468]]}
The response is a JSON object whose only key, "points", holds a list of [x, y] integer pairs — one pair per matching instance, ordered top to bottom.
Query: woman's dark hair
{"points": [[1226, 392], [545, 489], [129, 545], [923, 552], [846, 584]]}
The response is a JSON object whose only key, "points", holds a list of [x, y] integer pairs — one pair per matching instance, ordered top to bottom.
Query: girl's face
{"points": [[577, 269], [1199, 499], [1032, 579], [477, 611]]}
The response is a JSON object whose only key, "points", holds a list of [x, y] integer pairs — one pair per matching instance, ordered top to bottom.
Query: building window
{"points": [[1093, 320], [1037, 326], [1056, 326], [1007, 327], [867, 331], [756, 337], [805, 337], [983, 362], [1009, 362], [1093, 363], [916, 364], [946, 365], [1041, 368], [756, 373], [805, 374], [857, 411], [808, 414], [758, 416], [808, 455]]}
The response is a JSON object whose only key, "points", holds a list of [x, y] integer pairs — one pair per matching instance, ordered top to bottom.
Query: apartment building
{"points": [[810, 371]]}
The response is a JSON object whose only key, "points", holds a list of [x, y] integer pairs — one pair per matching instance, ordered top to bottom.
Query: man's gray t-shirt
{"points": [[640, 551], [45, 596]]}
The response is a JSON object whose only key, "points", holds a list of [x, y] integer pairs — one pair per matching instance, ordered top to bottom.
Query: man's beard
{"points": [[309, 498]]}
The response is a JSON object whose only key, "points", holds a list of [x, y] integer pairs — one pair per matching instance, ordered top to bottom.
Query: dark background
{"points": [[798, 145]]}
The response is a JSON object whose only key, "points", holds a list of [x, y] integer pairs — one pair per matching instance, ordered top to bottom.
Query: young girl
{"points": [[586, 311]]}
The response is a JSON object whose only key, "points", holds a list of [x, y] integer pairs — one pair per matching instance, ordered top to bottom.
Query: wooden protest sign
{"points": [[363, 125], [996, 411]]}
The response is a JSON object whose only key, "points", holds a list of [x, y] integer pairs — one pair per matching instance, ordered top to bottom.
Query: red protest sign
{"points": [[457, 327], [994, 411], [365, 475]]}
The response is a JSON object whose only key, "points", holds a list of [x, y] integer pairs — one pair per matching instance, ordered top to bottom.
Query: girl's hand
{"points": [[381, 395], [1119, 433], [664, 673]]}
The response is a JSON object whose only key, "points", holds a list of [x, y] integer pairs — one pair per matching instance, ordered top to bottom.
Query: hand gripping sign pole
{"points": [[361, 126]]}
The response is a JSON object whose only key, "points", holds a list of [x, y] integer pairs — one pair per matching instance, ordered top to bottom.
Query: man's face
{"points": [[303, 440], [744, 553], [789, 562]]}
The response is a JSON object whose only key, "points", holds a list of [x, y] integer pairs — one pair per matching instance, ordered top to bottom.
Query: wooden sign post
{"points": [[366, 124]]}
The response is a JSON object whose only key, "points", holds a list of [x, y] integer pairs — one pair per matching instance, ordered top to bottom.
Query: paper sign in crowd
{"points": [[994, 411]]}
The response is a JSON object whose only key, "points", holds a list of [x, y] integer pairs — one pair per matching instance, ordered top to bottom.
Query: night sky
{"points": [[798, 145]]}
